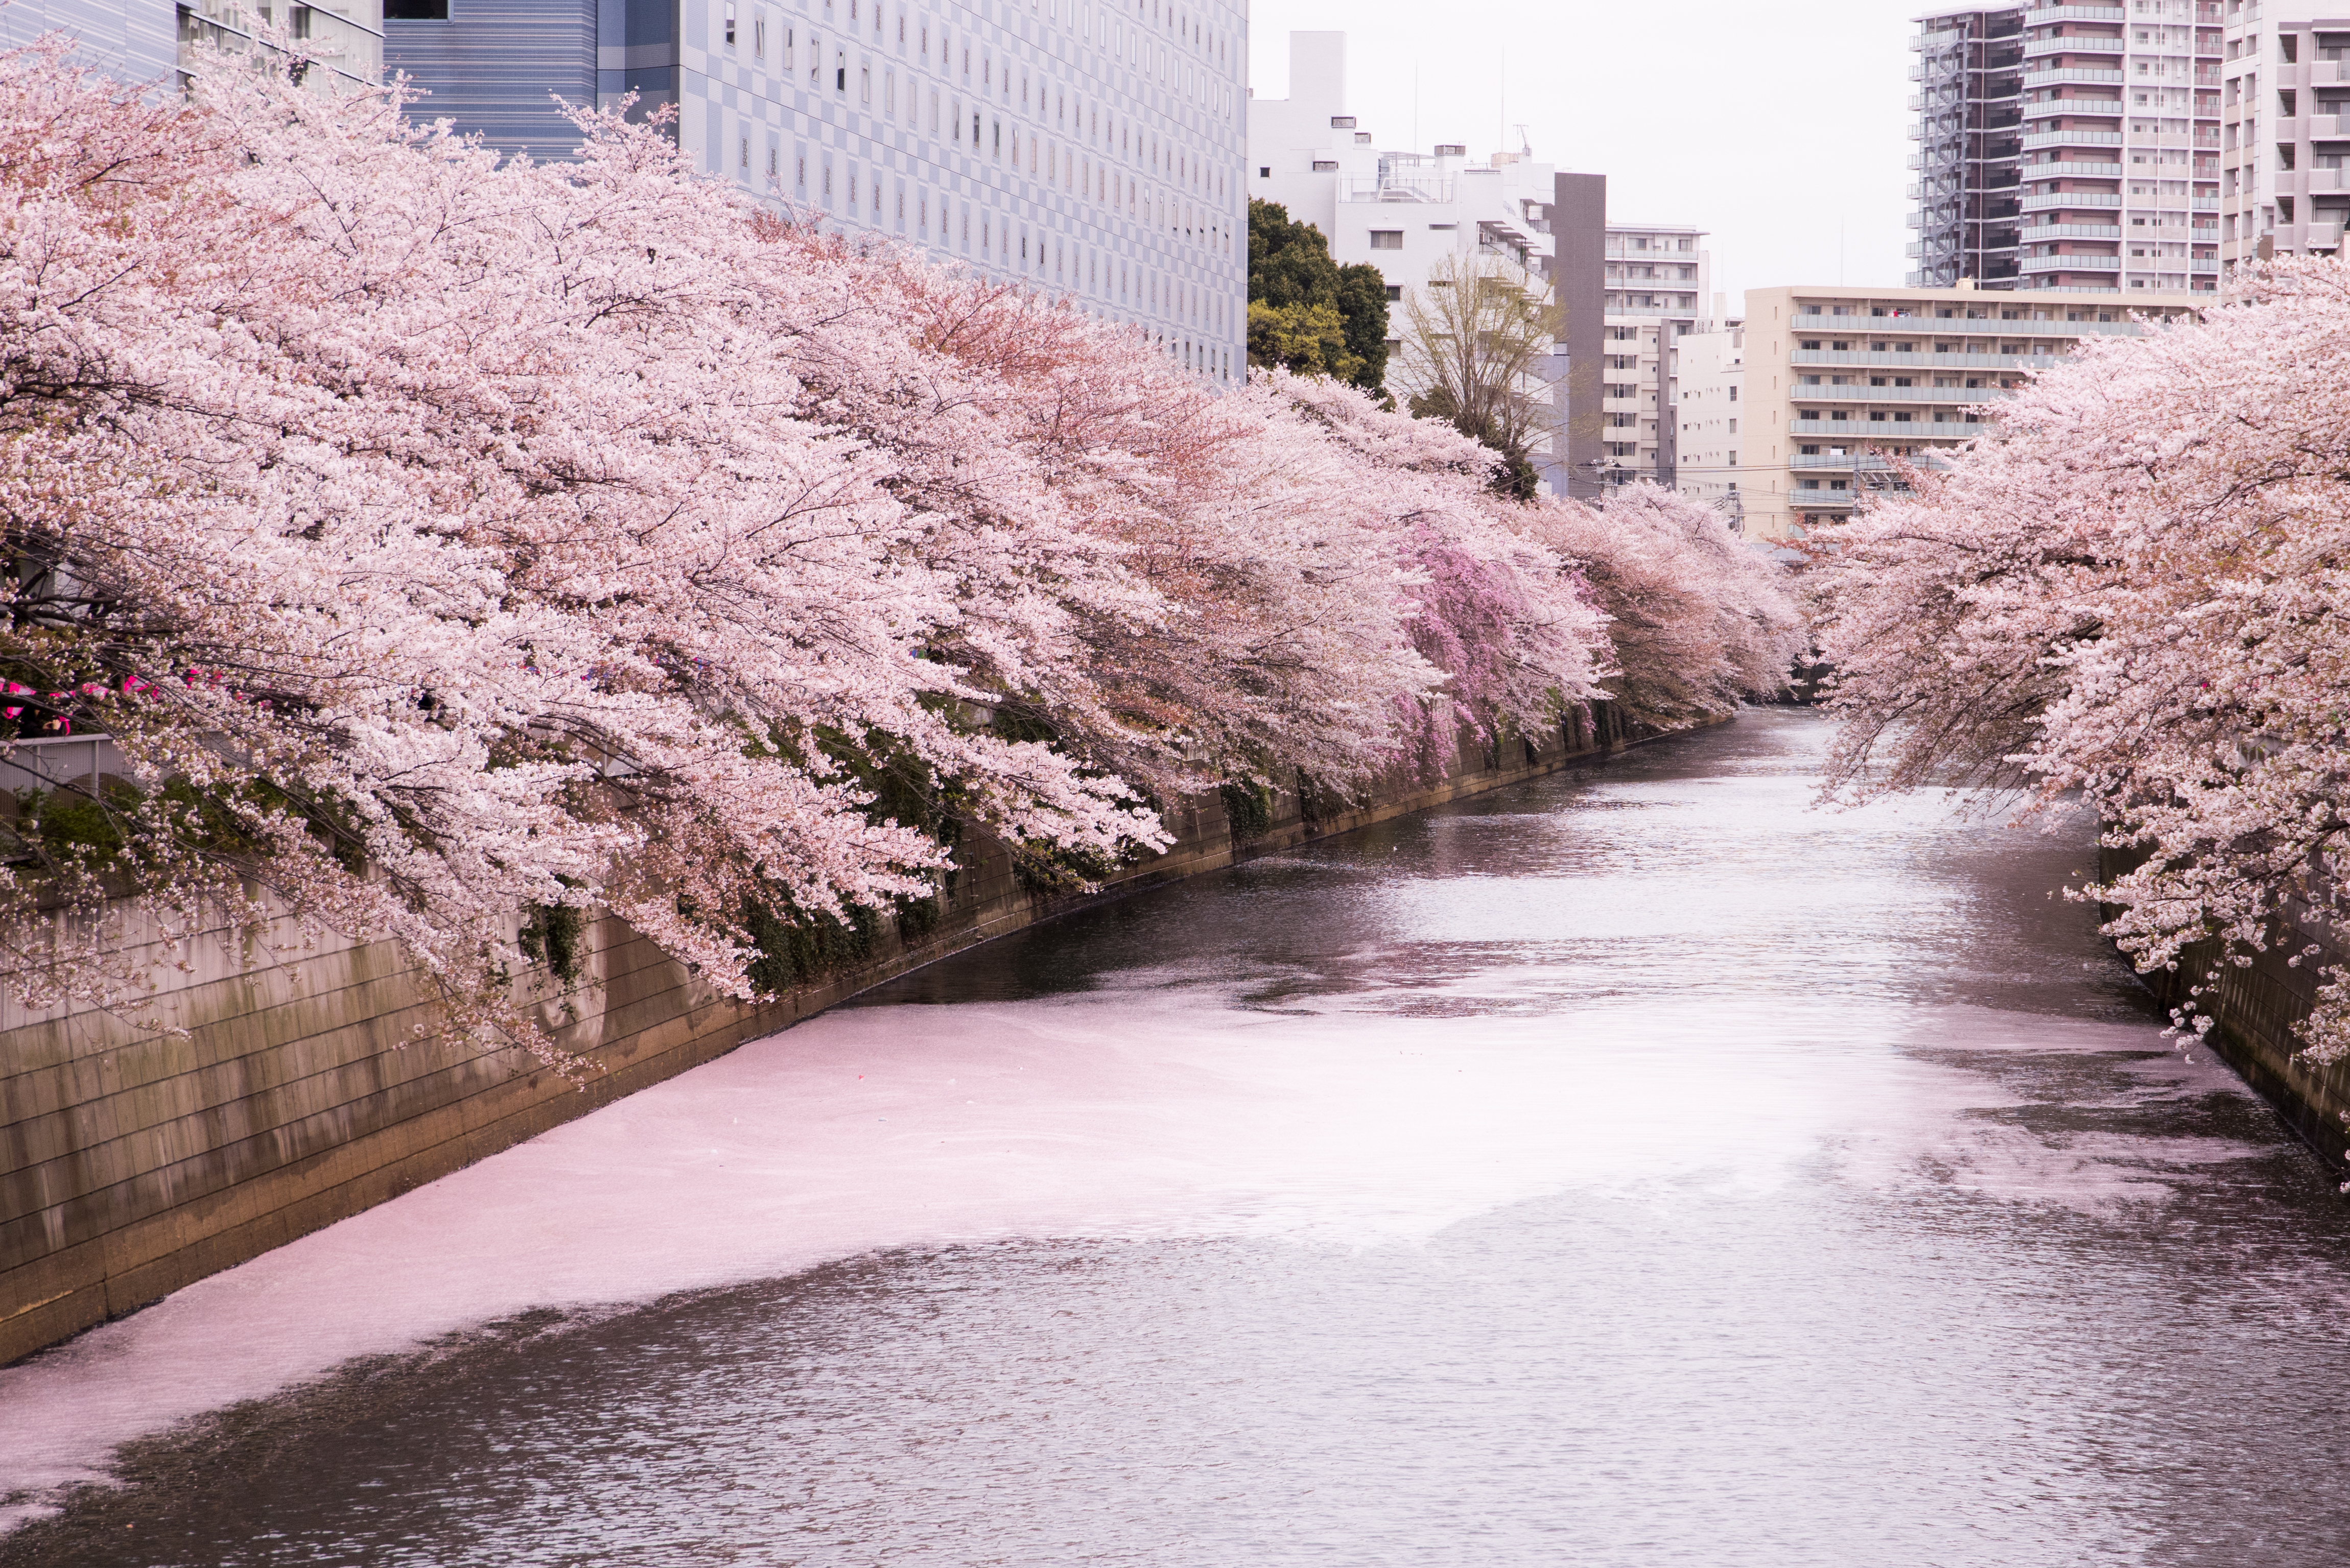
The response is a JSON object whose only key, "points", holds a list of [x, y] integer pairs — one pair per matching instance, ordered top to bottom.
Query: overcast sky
{"points": [[1770, 123]]}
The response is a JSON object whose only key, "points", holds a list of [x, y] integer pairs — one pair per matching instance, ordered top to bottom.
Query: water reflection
{"points": [[1633, 1167]]}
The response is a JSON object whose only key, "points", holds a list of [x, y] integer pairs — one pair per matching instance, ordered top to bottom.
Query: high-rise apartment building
{"points": [[1970, 102], [1090, 149], [2099, 157], [2284, 157], [1659, 281], [1827, 386]]}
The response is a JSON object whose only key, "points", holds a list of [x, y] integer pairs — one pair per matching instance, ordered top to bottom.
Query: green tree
{"points": [[1297, 293], [1310, 339], [1476, 344]]}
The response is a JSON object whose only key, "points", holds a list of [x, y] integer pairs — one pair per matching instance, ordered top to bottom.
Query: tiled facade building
{"points": [[146, 41], [1090, 150]]}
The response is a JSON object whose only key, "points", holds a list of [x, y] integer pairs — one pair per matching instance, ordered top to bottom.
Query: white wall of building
{"points": [[1089, 150], [1711, 415]]}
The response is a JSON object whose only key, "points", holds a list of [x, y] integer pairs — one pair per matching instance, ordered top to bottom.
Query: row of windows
{"points": [[994, 75], [1184, 169], [1193, 222], [1060, 262]]}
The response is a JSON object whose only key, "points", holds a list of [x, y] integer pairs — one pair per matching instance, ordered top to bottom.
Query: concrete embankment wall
{"points": [[2256, 1006], [297, 1093]]}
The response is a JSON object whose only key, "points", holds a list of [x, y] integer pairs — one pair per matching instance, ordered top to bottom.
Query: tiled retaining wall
{"points": [[2256, 1007], [133, 1162]]}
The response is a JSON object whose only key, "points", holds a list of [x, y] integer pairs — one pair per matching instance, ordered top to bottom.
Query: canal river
{"points": [[1636, 1166]]}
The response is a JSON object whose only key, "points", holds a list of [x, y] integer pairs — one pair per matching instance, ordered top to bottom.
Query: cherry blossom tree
{"points": [[438, 537], [2134, 590], [1698, 619]]}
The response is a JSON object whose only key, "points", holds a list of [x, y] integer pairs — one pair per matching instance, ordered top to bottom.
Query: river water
{"points": [[1636, 1166]]}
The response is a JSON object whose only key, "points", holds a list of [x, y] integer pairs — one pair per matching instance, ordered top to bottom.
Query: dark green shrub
{"points": [[1248, 807]]}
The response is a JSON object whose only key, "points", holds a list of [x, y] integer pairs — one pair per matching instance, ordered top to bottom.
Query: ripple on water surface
{"points": [[1632, 1168]]}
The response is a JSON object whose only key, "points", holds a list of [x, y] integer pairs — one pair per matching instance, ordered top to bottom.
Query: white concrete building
{"points": [[2284, 164], [1399, 210], [1403, 211], [1660, 278], [1711, 403]]}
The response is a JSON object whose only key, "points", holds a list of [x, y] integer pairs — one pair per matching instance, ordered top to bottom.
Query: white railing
{"points": [[2070, 75], [2032, 138], [2073, 171], [1434, 189], [2071, 198], [2035, 234], [2072, 264], [77, 762]]}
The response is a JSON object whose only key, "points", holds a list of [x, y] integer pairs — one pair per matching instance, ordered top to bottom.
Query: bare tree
{"points": [[1476, 347]]}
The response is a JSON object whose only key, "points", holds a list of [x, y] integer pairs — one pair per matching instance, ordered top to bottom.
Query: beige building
{"points": [[1836, 382]]}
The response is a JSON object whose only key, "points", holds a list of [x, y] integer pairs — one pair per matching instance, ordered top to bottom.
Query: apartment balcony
{"points": [[2078, 14], [2037, 47], [2328, 72], [2073, 75], [2324, 126], [2033, 140], [2072, 171], [2322, 180], [2071, 198], [2204, 204], [2046, 232], [2324, 237], [2072, 264], [2205, 265], [1947, 325], [1918, 363], [1957, 396], [1862, 432], [1864, 461]]}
